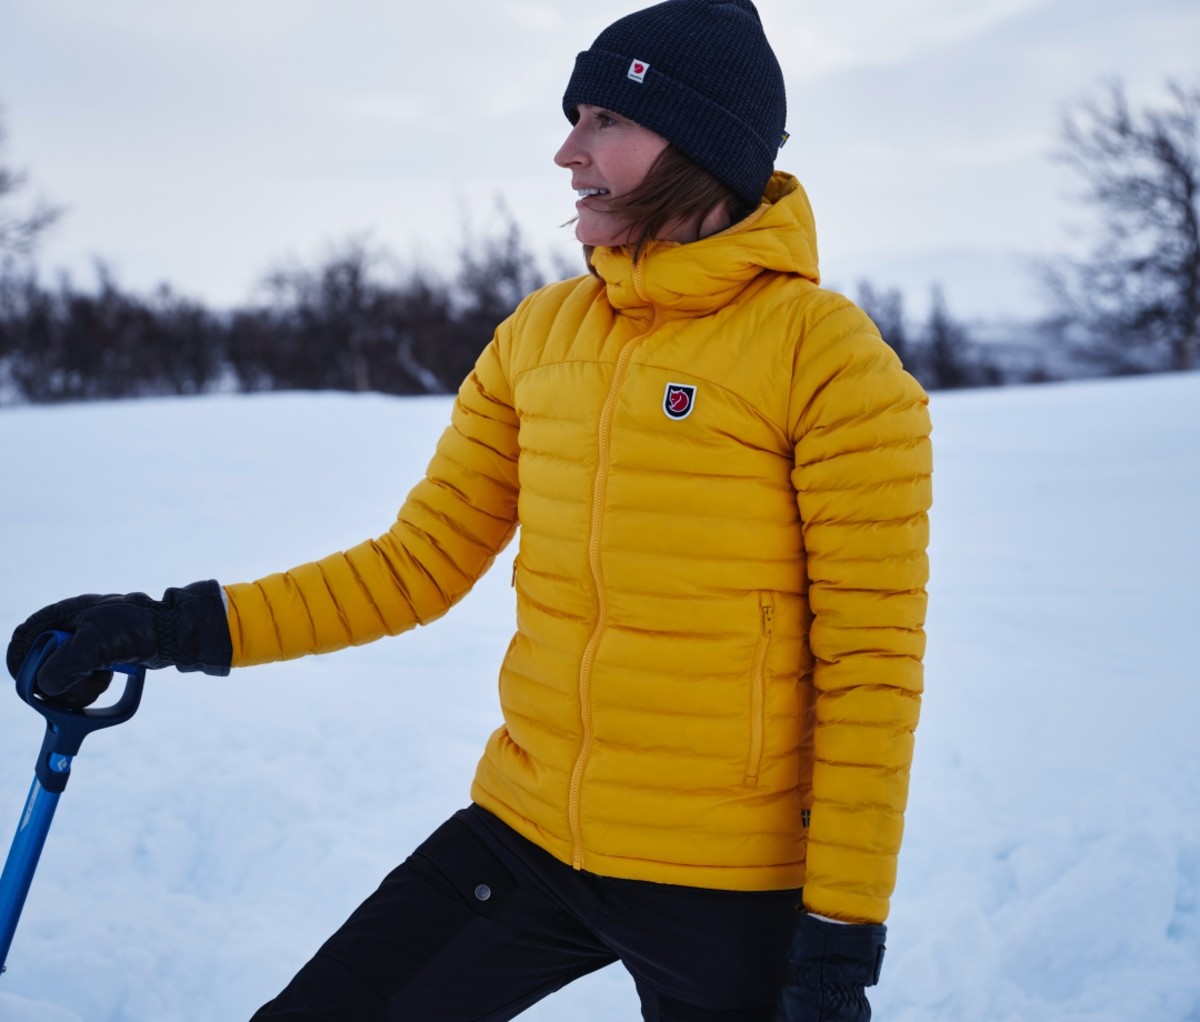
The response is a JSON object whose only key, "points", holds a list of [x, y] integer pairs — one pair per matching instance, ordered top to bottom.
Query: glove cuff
{"points": [[193, 629], [849, 953]]}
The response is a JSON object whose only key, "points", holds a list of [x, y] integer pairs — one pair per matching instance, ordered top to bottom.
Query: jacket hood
{"points": [[701, 276]]}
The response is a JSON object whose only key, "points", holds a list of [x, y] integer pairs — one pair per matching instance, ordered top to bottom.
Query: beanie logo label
{"points": [[637, 71], [678, 400]]}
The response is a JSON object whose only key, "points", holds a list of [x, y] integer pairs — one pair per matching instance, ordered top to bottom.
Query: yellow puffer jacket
{"points": [[721, 475]]}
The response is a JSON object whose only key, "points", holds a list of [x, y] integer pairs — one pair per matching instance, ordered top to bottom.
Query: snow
{"points": [[1051, 868]]}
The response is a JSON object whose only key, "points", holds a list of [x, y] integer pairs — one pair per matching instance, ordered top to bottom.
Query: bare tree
{"points": [[19, 227], [1133, 304], [886, 309], [328, 327], [66, 344], [946, 357]]}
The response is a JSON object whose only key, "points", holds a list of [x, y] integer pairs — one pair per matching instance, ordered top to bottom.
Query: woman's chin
{"points": [[599, 235]]}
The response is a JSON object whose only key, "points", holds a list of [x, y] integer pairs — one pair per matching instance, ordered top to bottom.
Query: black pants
{"points": [[478, 924]]}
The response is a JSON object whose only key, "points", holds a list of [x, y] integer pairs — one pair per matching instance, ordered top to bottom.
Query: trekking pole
{"points": [[65, 731]]}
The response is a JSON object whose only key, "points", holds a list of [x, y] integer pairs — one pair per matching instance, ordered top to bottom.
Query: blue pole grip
{"points": [[65, 731]]}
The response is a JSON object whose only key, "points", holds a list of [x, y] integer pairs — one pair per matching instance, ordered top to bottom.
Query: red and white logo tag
{"points": [[637, 71], [678, 400]]}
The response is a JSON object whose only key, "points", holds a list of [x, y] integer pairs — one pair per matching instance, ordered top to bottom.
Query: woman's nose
{"points": [[570, 152]]}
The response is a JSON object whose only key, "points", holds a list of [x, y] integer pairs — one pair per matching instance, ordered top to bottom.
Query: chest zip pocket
{"points": [[758, 690]]}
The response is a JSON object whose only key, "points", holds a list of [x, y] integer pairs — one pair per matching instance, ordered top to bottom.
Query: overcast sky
{"points": [[205, 143]]}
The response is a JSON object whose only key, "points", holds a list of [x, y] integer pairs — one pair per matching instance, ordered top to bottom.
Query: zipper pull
{"points": [[768, 615]]}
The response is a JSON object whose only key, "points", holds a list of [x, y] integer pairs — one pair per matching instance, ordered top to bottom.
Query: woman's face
{"points": [[607, 156]]}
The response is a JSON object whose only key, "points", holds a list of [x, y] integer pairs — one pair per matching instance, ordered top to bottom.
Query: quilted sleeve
{"points": [[862, 477], [445, 536]]}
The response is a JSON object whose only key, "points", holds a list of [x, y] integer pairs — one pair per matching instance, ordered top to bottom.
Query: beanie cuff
{"points": [[703, 130]]}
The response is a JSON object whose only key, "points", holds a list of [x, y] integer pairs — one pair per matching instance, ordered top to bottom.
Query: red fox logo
{"points": [[678, 400]]}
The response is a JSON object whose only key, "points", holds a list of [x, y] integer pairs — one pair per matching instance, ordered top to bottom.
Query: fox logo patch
{"points": [[678, 400]]}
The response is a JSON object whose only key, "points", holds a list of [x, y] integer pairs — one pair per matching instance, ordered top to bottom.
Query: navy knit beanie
{"points": [[701, 74]]}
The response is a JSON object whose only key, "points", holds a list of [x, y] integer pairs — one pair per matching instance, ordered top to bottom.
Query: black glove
{"points": [[187, 629], [829, 967]]}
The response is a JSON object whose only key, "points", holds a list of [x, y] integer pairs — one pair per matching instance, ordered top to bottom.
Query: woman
{"points": [[721, 475]]}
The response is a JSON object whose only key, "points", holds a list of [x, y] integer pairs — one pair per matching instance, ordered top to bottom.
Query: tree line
{"points": [[354, 322], [345, 324], [349, 324]]}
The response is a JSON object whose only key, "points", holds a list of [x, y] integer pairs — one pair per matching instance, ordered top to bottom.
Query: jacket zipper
{"points": [[599, 487], [758, 684]]}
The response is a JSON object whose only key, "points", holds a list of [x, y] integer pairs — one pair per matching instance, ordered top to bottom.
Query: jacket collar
{"points": [[699, 277]]}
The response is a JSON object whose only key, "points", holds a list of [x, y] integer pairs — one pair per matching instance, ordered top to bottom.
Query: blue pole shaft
{"points": [[24, 854]]}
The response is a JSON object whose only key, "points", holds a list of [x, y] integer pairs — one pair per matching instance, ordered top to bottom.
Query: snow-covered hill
{"points": [[1051, 870]]}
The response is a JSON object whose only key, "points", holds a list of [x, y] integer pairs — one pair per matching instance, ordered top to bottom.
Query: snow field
{"points": [[1051, 868]]}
